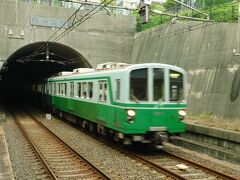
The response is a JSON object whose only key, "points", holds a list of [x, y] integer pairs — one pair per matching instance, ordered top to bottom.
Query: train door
{"points": [[42, 95], [71, 100], [105, 113]]}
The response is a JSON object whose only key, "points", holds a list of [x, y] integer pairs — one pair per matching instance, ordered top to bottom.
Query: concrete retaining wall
{"points": [[205, 51], [215, 132], [218, 143]]}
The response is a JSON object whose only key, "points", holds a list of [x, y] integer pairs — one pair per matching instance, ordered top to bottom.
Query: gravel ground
{"points": [[96, 152], [105, 157], [23, 161], [116, 165], [219, 165]]}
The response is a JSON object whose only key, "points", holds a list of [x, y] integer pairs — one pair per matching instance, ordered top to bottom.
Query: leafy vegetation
{"points": [[169, 4], [218, 10]]}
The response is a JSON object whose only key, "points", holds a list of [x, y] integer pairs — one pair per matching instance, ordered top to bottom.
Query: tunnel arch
{"points": [[40, 60]]}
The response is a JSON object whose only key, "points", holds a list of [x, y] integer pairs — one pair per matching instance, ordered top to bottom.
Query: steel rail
{"points": [[24, 132], [152, 165], [158, 167], [95, 170], [209, 170], [98, 171]]}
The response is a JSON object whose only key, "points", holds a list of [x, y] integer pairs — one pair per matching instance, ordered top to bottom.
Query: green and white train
{"points": [[130, 103]]}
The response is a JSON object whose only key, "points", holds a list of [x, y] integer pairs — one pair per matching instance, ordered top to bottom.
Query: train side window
{"points": [[158, 84], [139, 85], [176, 86], [32, 87], [39, 88], [43, 88], [46, 88], [50, 88], [59, 88], [54, 89], [65, 89], [71, 89], [118, 89], [79, 90], [85, 90], [90, 90], [100, 91], [103, 91]]}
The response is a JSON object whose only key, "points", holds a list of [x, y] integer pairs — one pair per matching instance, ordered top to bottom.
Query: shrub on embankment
{"points": [[218, 11]]}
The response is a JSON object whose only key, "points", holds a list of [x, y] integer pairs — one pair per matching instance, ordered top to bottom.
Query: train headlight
{"points": [[131, 113], [182, 114]]}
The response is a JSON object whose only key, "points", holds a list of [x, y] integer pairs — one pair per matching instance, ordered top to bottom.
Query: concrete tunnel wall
{"points": [[99, 39], [206, 54]]}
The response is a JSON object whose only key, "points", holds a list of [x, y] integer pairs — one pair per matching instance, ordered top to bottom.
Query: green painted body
{"points": [[113, 113], [115, 117]]}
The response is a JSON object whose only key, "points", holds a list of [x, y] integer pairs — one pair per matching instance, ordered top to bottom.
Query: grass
{"points": [[207, 119]]}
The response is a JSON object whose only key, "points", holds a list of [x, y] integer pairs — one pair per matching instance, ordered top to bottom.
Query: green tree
{"points": [[112, 2], [169, 4]]}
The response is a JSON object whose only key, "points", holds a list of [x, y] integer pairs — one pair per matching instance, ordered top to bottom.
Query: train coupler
{"points": [[158, 138]]}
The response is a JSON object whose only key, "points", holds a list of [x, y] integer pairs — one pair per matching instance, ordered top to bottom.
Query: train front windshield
{"points": [[139, 85], [151, 87]]}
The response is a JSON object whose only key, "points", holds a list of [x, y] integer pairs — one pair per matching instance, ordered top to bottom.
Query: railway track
{"points": [[60, 160], [165, 163], [168, 164], [191, 169]]}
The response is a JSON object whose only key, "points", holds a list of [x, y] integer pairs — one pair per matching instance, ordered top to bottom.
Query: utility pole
{"points": [[144, 11]]}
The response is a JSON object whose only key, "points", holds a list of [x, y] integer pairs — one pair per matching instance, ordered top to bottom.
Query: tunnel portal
{"points": [[40, 60]]}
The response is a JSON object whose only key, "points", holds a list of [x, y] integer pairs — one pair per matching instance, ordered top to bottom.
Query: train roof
{"points": [[105, 72]]}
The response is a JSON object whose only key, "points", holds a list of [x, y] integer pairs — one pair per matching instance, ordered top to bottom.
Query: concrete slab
{"points": [[214, 132], [219, 143], [209, 149], [6, 171]]}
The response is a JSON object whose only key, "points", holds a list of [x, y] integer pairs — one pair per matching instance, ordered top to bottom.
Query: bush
{"points": [[219, 11]]}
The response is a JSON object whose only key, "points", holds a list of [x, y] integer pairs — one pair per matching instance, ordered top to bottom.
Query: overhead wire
{"points": [[29, 12], [89, 15], [83, 19], [205, 24], [73, 26], [181, 31], [45, 44]]}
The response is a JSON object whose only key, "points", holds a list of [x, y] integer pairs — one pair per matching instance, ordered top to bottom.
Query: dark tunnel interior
{"points": [[40, 60], [32, 63]]}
